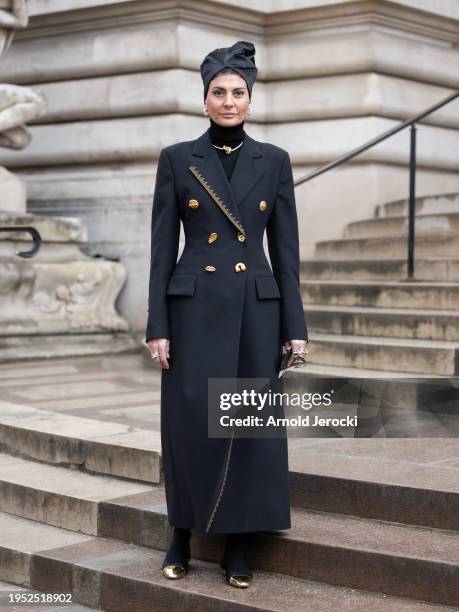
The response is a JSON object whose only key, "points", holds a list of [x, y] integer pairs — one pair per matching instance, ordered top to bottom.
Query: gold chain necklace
{"points": [[228, 149]]}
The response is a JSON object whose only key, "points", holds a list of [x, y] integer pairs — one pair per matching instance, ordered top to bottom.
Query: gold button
{"points": [[193, 203], [263, 205], [212, 237], [241, 237], [240, 267], [210, 269]]}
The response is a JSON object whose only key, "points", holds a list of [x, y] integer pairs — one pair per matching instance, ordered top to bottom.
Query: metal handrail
{"points": [[412, 183], [35, 236]]}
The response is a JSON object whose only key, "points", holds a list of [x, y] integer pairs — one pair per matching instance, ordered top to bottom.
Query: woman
{"points": [[222, 312]]}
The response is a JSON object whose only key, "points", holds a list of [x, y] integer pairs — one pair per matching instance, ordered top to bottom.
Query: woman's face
{"points": [[227, 99]]}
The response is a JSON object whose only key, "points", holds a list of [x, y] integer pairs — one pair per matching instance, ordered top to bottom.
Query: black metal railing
{"points": [[412, 181], [30, 230]]}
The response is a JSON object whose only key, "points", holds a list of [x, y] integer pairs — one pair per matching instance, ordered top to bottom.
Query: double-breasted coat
{"points": [[226, 312]]}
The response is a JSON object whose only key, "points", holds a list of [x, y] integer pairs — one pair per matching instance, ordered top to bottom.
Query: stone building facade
{"points": [[121, 80]]}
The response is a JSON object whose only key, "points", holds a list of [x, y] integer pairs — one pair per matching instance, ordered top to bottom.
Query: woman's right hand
{"points": [[160, 348]]}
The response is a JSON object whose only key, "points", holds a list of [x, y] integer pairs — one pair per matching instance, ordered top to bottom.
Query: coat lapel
{"points": [[208, 169]]}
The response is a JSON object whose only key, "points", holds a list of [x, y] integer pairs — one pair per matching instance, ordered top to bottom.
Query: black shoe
{"points": [[175, 564]]}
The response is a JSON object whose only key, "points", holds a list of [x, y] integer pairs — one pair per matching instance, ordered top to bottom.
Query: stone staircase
{"points": [[364, 314], [82, 508]]}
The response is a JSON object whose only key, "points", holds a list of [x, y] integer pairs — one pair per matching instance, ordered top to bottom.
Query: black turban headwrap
{"points": [[239, 57]]}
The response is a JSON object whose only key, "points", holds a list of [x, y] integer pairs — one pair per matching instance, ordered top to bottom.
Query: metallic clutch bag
{"points": [[291, 359]]}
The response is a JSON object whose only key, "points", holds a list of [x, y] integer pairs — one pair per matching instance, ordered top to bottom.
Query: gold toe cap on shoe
{"points": [[174, 571], [238, 581], [241, 582]]}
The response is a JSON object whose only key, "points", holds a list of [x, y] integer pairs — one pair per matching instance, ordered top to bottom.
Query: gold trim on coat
{"points": [[217, 199], [222, 488]]}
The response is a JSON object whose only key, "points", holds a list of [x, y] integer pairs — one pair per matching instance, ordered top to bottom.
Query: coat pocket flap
{"points": [[181, 284], [267, 287]]}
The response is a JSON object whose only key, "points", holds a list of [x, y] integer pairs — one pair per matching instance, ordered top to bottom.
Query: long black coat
{"points": [[226, 313]]}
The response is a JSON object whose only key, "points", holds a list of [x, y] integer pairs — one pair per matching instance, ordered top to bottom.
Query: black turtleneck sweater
{"points": [[231, 136]]}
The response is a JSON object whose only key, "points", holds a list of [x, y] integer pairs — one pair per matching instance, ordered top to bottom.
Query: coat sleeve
{"points": [[165, 233], [283, 247]]}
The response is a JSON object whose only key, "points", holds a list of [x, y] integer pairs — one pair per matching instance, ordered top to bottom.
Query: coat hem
{"points": [[257, 528]]}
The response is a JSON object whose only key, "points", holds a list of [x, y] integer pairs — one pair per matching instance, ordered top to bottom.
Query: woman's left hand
{"points": [[297, 345]]}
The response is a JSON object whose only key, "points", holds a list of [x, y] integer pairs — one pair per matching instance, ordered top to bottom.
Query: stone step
{"points": [[447, 203], [434, 224], [388, 248], [438, 270], [381, 294], [441, 325], [25, 348], [415, 356], [331, 371], [388, 404], [97, 446], [18, 476], [394, 480], [387, 486], [57, 495], [68, 498], [22, 538], [344, 550], [117, 576], [16, 598]]}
